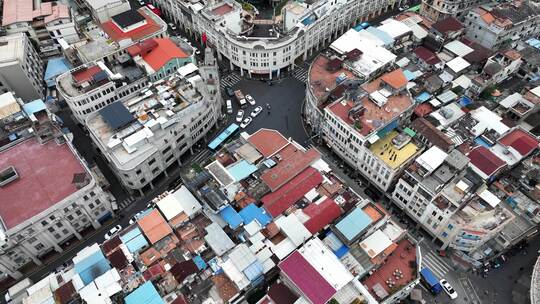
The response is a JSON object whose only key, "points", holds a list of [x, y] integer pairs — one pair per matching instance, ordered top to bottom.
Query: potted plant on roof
{"points": [[358, 125]]}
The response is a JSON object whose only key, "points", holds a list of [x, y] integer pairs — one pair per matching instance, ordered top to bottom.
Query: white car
{"points": [[141, 2], [172, 26], [185, 40], [197, 52], [250, 100], [256, 111], [240, 115], [246, 122], [135, 217], [114, 230], [448, 289]]}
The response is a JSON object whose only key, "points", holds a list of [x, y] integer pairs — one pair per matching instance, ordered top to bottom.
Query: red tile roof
{"points": [[449, 24], [116, 34], [164, 52], [426, 55], [85, 74], [423, 109], [520, 140], [268, 141], [483, 159], [288, 168], [45, 178], [277, 202], [321, 215], [402, 258], [307, 279], [281, 294]]}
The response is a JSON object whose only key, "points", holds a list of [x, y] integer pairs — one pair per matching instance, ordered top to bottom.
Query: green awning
{"points": [[414, 9], [409, 132]]}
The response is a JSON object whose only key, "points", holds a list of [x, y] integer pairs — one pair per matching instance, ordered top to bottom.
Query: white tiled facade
{"points": [[441, 9], [494, 35], [270, 56], [21, 70]]}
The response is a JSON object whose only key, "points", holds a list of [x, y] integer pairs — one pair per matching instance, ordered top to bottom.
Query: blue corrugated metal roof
{"points": [[382, 35], [534, 43], [55, 67], [409, 75], [423, 97], [34, 106], [223, 136], [482, 142], [241, 170], [252, 212], [229, 215], [354, 223], [133, 233], [134, 240], [136, 243], [199, 262], [92, 267], [254, 271], [145, 294]]}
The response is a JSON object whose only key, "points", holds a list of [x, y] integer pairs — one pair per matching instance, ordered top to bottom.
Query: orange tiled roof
{"points": [[165, 51], [396, 79]]}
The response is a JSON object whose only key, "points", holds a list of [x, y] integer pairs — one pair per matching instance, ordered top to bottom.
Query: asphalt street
{"points": [[285, 97]]}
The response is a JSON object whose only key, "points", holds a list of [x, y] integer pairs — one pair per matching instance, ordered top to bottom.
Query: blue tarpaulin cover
{"points": [[252, 212], [231, 217]]}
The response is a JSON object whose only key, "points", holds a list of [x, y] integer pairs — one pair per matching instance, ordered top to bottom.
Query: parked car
{"points": [[141, 2], [172, 26], [197, 52], [229, 91], [250, 100], [229, 106], [256, 111], [240, 116], [246, 122], [135, 217], [114, 230], [448, 289]]}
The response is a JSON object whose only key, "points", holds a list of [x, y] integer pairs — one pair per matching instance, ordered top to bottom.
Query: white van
{"points": [[229, 106]]}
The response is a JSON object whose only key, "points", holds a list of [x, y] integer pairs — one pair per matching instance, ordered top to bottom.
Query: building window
{"points": [[78, 212], [58, 224], [450, 226], [51, 229], [65, 231], [444, 234], [39, 246]]}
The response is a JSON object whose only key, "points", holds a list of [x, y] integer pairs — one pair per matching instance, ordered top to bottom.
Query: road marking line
{"points": [[439, 260]]}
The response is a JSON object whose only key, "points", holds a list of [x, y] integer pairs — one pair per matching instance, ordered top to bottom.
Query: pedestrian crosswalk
{"points": [[301, 74], [229, 80], [123, 204], [436, 264]]}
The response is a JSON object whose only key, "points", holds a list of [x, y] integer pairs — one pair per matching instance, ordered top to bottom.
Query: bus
{"points": [[430, 281]]}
